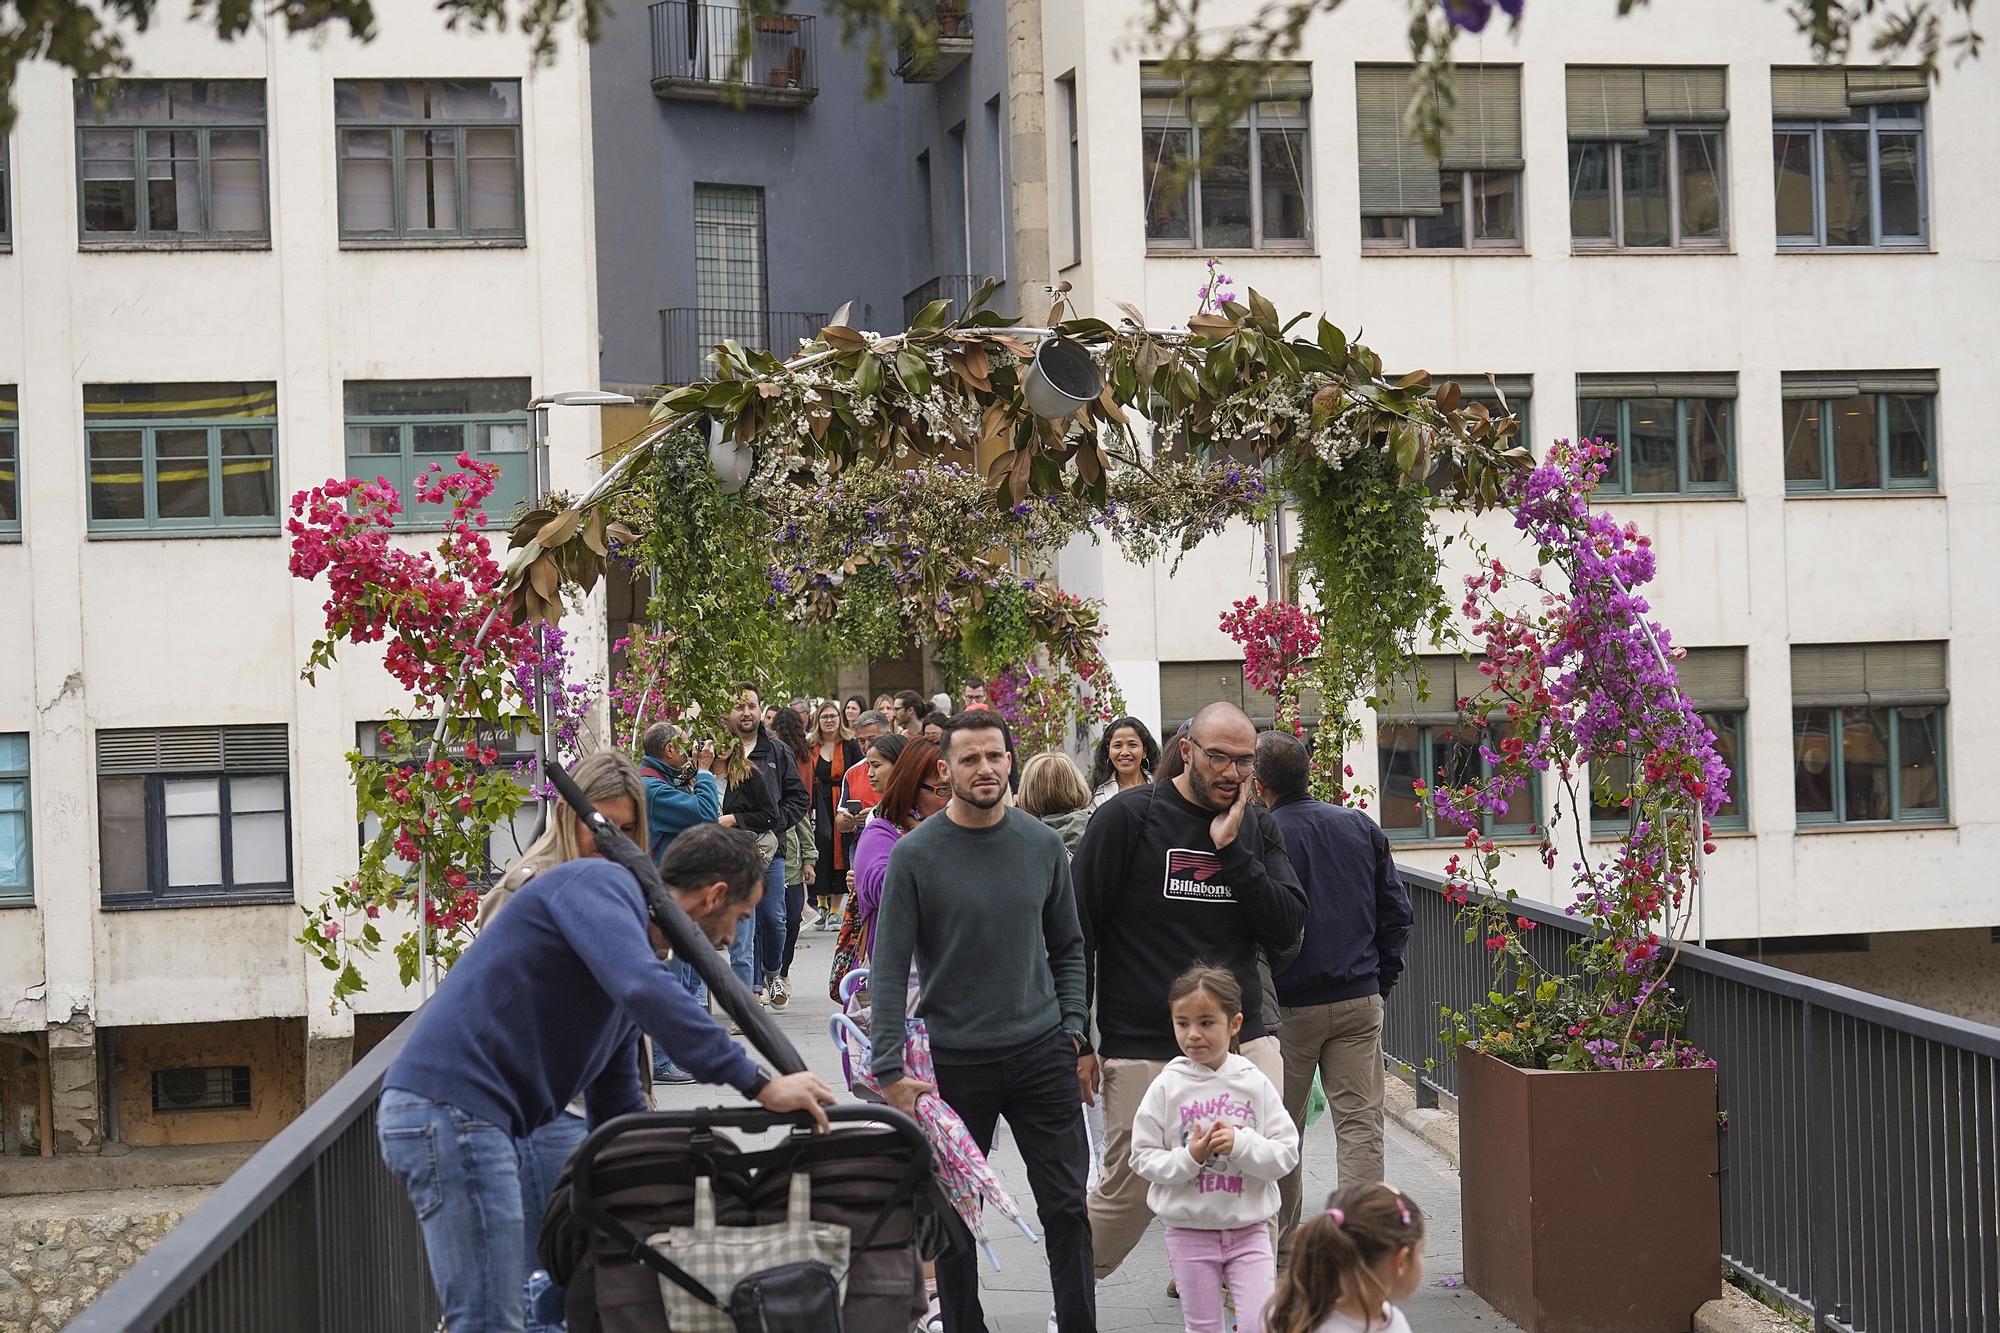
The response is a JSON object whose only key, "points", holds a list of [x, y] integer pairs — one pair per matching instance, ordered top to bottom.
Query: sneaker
{"points": [[781, 993], [735, 1028], [666, 1071], [1052, 1321]]}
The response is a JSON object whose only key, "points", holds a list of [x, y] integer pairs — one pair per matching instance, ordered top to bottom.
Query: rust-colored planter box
{"points": [[1590, 1200]]}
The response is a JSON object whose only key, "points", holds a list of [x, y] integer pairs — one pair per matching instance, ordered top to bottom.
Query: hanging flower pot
{"points": [[1062, 378]]}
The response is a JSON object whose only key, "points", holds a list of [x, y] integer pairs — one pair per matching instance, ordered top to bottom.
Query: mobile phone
{"points": [[852, 806]]}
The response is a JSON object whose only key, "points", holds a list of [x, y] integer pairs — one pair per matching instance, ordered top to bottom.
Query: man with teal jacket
{"points": [[673, 806]]}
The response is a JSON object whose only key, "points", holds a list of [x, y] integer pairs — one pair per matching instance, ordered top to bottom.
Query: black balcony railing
{"points": [[945, 43], [719, 53], [956, 288], [688, 335], [1861, 1164], [312, 1234]]}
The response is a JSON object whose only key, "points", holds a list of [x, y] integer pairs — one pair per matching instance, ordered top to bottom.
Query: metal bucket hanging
{"points": [[1062, 378], [732, 461]]}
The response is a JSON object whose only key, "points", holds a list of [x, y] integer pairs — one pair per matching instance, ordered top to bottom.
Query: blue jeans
{"points": [[771, 920], [743, 952], [691, 982], [542, 1155], [463, 1175]]}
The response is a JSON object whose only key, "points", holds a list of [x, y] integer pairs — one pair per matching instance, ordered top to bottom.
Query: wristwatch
{"points": [[1083, 1046], [757, 1085]]}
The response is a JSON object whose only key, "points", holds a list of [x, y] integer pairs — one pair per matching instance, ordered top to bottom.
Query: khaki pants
{"points": [[1342, 1042], [1118, 1211]]}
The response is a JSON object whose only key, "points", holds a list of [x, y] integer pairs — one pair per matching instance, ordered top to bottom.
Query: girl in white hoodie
{"points": [[1212, 1136]]}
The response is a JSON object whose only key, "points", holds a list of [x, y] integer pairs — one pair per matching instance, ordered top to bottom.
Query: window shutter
{"points": [[1154, 81], [1288, 81], [1884, 84], [1809, 94], [1686, 95], [1607, 102], [1485, 132], [1398, 179], [1898, 381], [1717, 384], [1814, 385], [1616, 386], [1832, 673], [1906, 673], [1449, 678], [1713, 678], [1188, 687], [192, 750]]}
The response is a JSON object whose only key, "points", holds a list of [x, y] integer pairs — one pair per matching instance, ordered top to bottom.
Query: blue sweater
{"points": [[671, 810], [1357, 913], [550, 1003]]}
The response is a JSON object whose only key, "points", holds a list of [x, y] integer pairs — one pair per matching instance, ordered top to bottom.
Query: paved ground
{"points": [[1017, 1297]]}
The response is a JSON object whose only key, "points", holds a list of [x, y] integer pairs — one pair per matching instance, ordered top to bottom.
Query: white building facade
{"points": [[258, 265], [1773, 283]]}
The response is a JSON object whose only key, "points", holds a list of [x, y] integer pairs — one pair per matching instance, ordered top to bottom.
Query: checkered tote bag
{"points": [[717, 1259]]}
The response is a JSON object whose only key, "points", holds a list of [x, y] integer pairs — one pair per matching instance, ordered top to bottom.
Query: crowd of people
{"points": [[1143, 971]]}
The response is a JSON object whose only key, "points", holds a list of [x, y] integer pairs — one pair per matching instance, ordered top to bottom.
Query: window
{"points": [[1070, 109], [1847, 150], [1645, 158], [435, 160], [178, 161], [1252, 189], [1470, 199], [6, 205], [729, 272], [1500, 395], [396, 429], [1861, 432], [1675, 433], [182, 457], [10, 463], [1712, 680], [1188, 687], [1868, 733], [1420, 738], [515, 750], [192, 814], [16, 843], [210, 1088]]}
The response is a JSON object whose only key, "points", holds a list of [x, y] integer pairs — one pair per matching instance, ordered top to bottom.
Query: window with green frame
{"points": [[178, 161], [424, 161], [6, 198], [1500, 395], [397, 429], [1861, 431], [1675, 434], [173, 458], [10, 463], [1712, 679], [1868, 733], [1421, 738], [17, 883]]}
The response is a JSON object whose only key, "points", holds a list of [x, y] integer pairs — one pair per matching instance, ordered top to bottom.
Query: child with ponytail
{"points": [[1212, 1136], [1351, 1263]]}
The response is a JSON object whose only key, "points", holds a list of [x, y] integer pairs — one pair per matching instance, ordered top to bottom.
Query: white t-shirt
{"points": [[1344, 1323]]}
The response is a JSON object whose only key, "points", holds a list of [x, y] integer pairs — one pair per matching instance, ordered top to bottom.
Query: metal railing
{"points": [[950, 23], [715, 51], [954, 287], [688, 335], [1861, 1155], [312, 1234]]}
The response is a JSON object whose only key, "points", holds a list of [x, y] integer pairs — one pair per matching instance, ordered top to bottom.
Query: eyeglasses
{"points": [[1217, 759], [941, 789]]}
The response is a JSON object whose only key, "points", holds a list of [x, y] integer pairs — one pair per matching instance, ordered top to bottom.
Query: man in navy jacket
{"points": [[1330, 997]]}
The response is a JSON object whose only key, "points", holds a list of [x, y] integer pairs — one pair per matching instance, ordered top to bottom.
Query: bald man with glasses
{"points": [[1170, 874]]}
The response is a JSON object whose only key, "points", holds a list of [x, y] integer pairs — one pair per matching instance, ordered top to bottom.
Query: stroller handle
{"points": [[689, 945], [754, 1118]]}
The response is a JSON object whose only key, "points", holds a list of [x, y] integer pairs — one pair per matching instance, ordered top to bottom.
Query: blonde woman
{"points": [[1053, 791]]}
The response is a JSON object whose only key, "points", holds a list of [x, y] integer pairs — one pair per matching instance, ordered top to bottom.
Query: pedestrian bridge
{"points": [[1860, 1181]]}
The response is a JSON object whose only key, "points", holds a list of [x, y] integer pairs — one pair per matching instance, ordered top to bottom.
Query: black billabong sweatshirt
{"points": [[1157, 896]]}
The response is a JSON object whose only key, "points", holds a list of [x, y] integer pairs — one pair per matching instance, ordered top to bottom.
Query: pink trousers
{"points": [[1203, 1261]]}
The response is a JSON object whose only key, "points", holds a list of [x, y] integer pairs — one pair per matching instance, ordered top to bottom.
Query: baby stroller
{"points": [[640, 1178]]}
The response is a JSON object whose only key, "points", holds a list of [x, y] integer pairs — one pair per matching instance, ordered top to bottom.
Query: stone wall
{"points": [[58, 1252]]}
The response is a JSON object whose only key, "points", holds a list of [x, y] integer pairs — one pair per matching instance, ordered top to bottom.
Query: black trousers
{"points": [[1038, 1094]]}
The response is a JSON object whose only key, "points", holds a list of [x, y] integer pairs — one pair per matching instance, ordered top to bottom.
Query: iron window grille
{"points": [[429, 161], [172, 162], [1245, 186], [1469, 199], [398, 429], [1864, 433], [1674, 435], [182, 458], [10, 464], [1869, 734], [188, 815], [17, 880], [205, 1088]]}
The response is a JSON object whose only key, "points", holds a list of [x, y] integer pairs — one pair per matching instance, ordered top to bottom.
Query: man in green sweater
{"points": [[978, 898]]}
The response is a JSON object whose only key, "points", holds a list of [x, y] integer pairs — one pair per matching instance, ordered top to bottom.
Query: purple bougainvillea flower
{"points": [[1471, 15]]}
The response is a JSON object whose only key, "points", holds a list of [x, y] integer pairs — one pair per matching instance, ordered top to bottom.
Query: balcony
{"points": [[716, 53], [920, 61], [954, 287], [688, 334]]}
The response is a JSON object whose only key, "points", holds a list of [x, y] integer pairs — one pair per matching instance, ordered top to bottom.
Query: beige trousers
{"points": [[1342, 1042], [1118, 1211]]}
